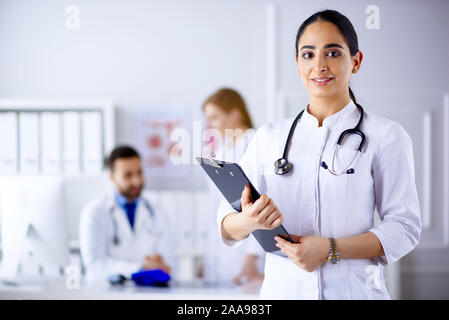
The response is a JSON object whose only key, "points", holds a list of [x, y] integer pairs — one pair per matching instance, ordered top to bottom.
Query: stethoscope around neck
{"points": [[283, 166], [115, 238]]}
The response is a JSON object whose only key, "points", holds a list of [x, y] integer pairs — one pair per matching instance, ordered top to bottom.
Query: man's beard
{"points": [[130, 193]]}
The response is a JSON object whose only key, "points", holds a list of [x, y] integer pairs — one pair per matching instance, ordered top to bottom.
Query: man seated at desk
{"points": [[120, 231]]}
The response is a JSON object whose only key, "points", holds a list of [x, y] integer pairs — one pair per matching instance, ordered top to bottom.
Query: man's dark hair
{"points": [[120, 152]]}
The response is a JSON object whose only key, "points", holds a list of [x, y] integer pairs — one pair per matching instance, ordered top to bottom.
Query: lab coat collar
{"points": [[330, 121], [112, 199], [122, 200]]}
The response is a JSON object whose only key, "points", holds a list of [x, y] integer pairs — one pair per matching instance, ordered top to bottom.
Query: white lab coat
{"points": [[315, 202], [102, 257], [221, 262]]}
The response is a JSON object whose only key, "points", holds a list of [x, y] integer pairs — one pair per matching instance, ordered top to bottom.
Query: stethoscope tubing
{"points": [[283, 166], [115, 237]]}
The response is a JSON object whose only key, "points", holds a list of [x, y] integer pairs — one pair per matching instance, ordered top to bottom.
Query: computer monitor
{"points": [[33, 218]]}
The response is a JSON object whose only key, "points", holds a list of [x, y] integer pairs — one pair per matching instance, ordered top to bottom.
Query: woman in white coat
{"points": [[226, 112], [338, 251]]}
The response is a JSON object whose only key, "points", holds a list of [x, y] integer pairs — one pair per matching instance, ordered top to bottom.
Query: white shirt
{"points": [[315, 202], [102, 257], [223, 263]]}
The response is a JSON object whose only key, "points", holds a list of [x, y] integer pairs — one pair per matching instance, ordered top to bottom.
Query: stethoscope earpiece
{"points": [[323, 164], [349, 171]]}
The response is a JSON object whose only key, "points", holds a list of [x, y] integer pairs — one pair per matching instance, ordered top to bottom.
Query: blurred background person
{"points": [[226, 114], [120, 231]]}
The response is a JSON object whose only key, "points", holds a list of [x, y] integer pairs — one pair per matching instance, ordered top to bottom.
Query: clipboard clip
{"points": [[212, 153], [210, 161], [215, 163]]}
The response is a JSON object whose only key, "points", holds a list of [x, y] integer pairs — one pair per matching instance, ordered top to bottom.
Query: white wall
{"points": [[141, 54]]}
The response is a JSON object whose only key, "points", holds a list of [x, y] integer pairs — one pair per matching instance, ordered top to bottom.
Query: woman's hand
{"points": [[262, 214], [308, 253], [249, 271]]}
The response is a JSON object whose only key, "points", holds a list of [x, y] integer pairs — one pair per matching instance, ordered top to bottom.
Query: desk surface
{"points": [[58, 290]]}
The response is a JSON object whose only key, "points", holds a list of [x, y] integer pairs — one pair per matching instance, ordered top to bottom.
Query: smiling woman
{"points": [[326, 63], [337, 251]]}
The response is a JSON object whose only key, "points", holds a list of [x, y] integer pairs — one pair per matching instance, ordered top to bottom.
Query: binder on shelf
{"points": [[29, 142], [71, 142], [8, 143], [51, 143], [92, 146]]}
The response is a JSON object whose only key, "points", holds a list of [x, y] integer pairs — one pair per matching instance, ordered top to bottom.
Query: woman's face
{"points": [[324, 61], [218, 119]]}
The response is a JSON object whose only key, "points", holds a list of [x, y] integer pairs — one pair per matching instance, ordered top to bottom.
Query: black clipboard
{"points": [[230, 179]]}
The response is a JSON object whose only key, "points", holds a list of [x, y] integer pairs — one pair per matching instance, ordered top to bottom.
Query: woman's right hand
{"points": [[262, 214]]}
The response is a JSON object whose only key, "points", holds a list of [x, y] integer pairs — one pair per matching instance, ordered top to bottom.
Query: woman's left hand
{"points": [[308, 253]]}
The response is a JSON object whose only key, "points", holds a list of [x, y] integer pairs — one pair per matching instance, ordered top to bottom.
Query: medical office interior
{"points": [[81, 77]]}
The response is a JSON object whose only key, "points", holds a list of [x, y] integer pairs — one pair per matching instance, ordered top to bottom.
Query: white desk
{"points": [[55, 289]]}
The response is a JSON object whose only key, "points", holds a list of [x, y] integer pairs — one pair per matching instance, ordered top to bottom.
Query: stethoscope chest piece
{"points": [[282, 166], [116, 240]]}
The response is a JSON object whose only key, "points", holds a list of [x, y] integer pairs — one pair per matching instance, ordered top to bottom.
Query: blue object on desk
{"points": [[155, 278]]}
